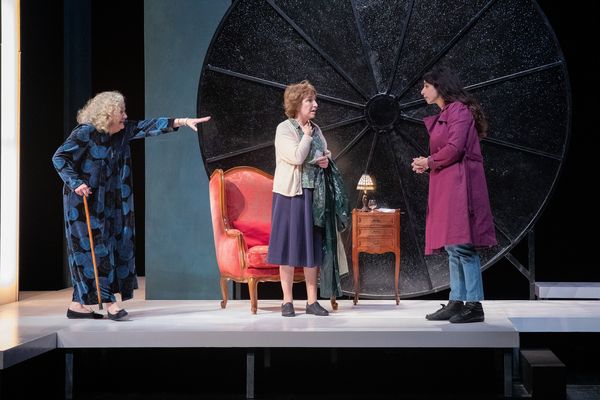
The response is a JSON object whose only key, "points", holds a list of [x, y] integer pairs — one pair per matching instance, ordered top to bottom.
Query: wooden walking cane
{"points": [[89, 226]]}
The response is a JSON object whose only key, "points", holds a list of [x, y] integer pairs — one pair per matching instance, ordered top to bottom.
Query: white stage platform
{"points": [[567, 290], [37, 324]]}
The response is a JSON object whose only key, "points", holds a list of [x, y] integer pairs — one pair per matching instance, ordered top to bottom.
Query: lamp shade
{"points": [[365, 183]]}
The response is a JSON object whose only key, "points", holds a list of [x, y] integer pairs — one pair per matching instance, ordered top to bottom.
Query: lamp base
{"points": [[364, 201]]}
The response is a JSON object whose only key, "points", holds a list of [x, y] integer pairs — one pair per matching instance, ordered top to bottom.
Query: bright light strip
{"points": [[9, 179]]}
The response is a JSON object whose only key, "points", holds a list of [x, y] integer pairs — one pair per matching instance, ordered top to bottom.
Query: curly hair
{"points": [[449, 88], [294, 94], [98, 111]]}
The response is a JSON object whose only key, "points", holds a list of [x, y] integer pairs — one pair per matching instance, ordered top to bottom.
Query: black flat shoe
{"points": [[316, 309], [287, 310], [83, 315], [118, 316]]}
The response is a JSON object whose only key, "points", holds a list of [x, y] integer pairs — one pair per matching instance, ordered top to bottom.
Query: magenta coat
{"points": [[458, 209]]}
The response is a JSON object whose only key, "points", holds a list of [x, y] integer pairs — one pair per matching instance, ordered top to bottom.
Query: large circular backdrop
{"points": [[366, 59]]}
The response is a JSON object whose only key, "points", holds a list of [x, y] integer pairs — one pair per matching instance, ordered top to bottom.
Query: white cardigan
{"points": [[290, 153]]}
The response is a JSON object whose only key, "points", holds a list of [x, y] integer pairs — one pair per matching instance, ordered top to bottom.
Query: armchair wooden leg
{"points": [[252, 288], [224, 292], [334, 303]]}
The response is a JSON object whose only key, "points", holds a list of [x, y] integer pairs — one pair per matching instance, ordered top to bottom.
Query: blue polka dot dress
{"points": [[103, 162]]}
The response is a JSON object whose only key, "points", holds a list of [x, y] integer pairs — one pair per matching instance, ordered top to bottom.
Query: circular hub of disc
{"points": [[382, 111]]}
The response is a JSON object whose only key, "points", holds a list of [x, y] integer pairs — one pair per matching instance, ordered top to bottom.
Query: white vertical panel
{"points": [[9, 180]]}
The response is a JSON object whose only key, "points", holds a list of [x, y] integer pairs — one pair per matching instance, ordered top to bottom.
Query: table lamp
{"points": [[365, 183]]}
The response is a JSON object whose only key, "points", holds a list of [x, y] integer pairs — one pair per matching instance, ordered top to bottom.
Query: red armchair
{"points": [[240, 204]]}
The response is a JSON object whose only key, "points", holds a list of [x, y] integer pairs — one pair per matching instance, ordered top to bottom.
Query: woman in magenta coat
{"points": [[459, 217]]}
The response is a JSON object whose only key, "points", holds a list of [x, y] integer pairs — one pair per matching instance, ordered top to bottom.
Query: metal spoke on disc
{"points": [[366, 48], [446, 48], [318, 49], [399, 53], [512, 76], [490, 82], [280, 85], [411, 119], [342, 123], [412, 142], [352, 143], [518, 147], [371, 151], [239, 152]]}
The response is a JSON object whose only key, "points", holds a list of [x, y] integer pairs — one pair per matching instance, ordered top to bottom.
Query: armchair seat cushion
{"points": [[256, 257]]}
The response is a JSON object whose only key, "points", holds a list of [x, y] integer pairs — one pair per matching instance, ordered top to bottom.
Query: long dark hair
{"points": [[449, 87]]}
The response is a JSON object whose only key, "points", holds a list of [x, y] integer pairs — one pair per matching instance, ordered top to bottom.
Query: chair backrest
{"points": [[248, 198]]}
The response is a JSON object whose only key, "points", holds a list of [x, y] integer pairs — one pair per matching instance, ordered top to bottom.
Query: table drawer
{"points": [[376, 220], [375, 231], [376, 243]]}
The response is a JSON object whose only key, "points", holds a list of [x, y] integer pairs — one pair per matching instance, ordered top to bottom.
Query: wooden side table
{"points": [[375, 232]]}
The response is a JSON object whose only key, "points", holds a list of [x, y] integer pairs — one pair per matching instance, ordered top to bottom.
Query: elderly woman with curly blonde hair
{"points": [[95, 162]]}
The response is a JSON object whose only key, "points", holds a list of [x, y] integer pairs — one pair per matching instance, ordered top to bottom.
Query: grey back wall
{"points": [[180, 255]]}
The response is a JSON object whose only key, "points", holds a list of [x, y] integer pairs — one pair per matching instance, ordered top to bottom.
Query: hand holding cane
{"points": [[89, 227]]}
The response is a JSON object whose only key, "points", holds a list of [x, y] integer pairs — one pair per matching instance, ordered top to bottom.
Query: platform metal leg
{"points": [[531, 263], [333, 356], [267, 358], [516, 364], [508, 372], [250, 374], [68, 375]]}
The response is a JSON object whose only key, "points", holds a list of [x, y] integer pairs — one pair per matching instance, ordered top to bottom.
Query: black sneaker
{"points": [[453, 308], [316, 309], [287, 310], [471, 312]]}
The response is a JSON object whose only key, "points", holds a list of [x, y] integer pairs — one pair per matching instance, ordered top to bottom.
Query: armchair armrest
{"points": [[231, 253]]}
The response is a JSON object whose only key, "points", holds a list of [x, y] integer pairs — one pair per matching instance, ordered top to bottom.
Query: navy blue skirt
{"points": [[295, 241]]}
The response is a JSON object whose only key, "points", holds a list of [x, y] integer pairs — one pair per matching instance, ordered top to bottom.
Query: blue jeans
{"points": [[466, 283]]}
